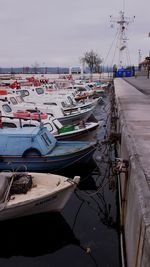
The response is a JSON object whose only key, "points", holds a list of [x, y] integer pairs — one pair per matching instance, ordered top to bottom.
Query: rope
{"points": [[116, 46], [110, 47], [128, 56], [96, 192], [3, 205]]}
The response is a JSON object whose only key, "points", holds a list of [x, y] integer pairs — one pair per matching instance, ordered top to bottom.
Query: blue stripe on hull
{"points": [[44, 163]]}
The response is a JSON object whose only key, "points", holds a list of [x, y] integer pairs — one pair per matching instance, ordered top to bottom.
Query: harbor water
{"points": [[86, 232]]}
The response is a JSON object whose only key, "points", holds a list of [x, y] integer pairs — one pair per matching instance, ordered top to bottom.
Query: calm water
{"points": [[84, 234]]}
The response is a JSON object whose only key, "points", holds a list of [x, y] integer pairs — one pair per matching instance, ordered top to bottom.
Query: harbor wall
{"points": [[133, 123]]}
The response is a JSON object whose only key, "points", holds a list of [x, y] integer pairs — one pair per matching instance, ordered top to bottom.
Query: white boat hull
{"points": [[34, 202]]}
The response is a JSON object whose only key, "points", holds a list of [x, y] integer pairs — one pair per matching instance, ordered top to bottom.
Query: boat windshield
{"points": [[39, 91], [23, 93], [19, 99], [70, 100], [13, 101], [50, 103], [7, 108], [57, 124], [49, 126], [46, 140]]}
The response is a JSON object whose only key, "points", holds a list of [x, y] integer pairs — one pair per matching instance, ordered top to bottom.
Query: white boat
{"points": [[49, 108], [12, 119], [47, 193]]}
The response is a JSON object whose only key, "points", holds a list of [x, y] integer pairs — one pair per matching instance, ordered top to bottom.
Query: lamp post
{"points": [[148, 58], [139, 59], [148, 67]]}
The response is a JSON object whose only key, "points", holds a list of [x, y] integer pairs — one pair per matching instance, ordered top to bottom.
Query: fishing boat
{"points": [[62, 98], [48, 107], [12, 118], [77, 131], [67, 132], [39, 150], [46, 193]]}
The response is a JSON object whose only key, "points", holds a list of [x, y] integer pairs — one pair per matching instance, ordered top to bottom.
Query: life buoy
{"points": [[3, 92], [21, 114], [36, 116]]}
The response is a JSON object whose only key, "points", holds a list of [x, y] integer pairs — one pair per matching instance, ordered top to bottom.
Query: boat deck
{"points": [[43, 184]]}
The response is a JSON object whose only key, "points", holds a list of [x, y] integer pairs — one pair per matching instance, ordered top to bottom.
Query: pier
{"points": [[132, 104]]}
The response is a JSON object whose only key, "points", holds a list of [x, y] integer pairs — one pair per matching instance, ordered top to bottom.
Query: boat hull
{"points": [[76, 117], [74, 135], [52, 163], [51, 203], [23, 205]]}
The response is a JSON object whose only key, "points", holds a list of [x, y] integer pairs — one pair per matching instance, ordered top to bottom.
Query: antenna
{"points": [[123, 5], [122, 23]]}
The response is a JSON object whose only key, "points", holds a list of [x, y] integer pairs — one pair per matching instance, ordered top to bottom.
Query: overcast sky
{"points": [[59, 32]]}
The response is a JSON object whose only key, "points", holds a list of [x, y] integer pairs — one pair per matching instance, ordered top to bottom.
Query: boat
{"points": [[87, 103], [70, 116], [31, 118], [77, 131], [39, 150], [47, 193]]}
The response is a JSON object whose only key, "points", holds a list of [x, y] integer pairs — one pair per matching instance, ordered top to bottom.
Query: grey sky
{"points": [[59, 32]]}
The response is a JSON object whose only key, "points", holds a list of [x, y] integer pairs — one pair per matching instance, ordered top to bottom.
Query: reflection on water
{"points": [[82, 170], [99, 203], [94, 222], [35, 235], [39, 235]]}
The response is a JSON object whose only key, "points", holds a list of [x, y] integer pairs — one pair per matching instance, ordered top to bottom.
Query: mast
{"points": [[122, 23]]}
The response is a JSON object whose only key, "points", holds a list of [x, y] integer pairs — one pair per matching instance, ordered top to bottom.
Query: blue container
{"points": [[120, 73], [124, 73], [128, 73]]}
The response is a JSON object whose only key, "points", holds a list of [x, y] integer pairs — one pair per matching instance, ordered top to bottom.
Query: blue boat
{"points": [[37, 150]]}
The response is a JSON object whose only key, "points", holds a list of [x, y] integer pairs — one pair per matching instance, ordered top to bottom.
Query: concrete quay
{"points": [[142, 83], [133, 111]]}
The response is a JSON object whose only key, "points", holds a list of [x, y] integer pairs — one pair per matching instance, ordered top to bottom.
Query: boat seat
{"points": [[63, 112], [4, 182]]}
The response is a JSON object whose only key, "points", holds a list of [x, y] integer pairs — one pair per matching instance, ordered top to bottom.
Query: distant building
{"points": [[145, 64], [75, 70]]}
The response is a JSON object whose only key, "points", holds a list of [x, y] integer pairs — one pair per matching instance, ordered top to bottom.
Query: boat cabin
{"points": [[35, 141]]}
